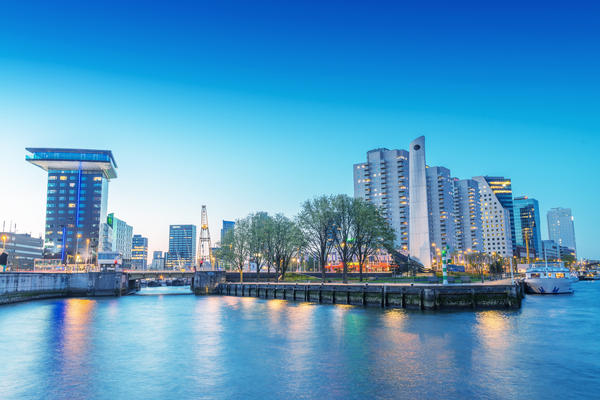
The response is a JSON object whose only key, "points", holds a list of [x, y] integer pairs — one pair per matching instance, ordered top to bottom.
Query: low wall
{"points": [[207, 282], [23, 286], [424, 297]]}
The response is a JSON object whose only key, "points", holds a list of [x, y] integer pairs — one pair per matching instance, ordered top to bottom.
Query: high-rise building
{"points": [[383, 181], [76, 201], [496, 213], [442, 221], [469, 225], [527, 225], [227, 226], [561, 228], [122, 236], [419, 244], [182, 247], [22, 249], [139, 252], [158, 261]]}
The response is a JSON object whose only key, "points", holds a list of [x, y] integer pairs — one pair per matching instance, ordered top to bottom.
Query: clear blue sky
{"points": [[258, 105]]}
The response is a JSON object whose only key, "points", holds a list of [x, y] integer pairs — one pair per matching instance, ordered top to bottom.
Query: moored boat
{"points": [[548, 280]]}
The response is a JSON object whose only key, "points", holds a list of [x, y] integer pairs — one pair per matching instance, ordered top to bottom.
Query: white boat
{"points": [[573, 276], [548, 280]]}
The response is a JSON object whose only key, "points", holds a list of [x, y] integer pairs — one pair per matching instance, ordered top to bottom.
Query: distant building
{"points": [[383, 181], [76, 199], [497, 215], [442, 221], [469, 225], [527, 225], [227, 226], [561, 228], [106, 234], [122, 235], [182, 247], [22, 249], [550, 250], [139, 252], [158, 261]]}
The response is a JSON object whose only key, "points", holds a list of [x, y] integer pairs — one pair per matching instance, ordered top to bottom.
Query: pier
{"points": [[411, 296]]}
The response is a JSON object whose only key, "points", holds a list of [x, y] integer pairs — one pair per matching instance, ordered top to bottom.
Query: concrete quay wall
{"points": [[23, 286], [424, 297]]}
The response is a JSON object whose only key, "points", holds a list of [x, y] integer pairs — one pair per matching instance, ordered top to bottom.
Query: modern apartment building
{"points": [[383, 181], [77, 193], [441, 206], [497, 215], [469, 225], [527, 225], [561, 227], [122, 237], [182, 247], [550, 250], [139, 252]]}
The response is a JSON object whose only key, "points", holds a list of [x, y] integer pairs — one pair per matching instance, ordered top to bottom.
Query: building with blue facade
{"points": [[77, 194], [527, 225], [227, 226], [182, 247]]}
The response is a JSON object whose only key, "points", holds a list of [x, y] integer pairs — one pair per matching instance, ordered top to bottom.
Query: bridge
{"points": [[134, 274]]}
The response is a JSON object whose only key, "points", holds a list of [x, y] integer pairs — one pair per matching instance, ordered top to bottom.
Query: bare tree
{"points": [[315, 221]]}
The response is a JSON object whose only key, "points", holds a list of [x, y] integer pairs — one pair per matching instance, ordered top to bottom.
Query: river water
{"points": [[159, 346]]}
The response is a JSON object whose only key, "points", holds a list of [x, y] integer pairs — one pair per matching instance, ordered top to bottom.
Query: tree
{"points": [[315, 221], [343, 230], [371, 232], [258, 236], [287, 240], [236, 245], [569, 260], [478, 262], [496, 265]]}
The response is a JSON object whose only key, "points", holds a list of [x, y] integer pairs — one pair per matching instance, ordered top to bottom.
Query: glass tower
{"points": [[76, 200], [527, 224], [182, 247], [139, 252]]}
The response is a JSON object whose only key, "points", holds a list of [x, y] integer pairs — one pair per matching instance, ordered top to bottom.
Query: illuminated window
{"points": [[63, 178], [71, 205]]}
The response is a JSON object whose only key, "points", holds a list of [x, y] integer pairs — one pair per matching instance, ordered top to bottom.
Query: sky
{"points": [[259, 105]]}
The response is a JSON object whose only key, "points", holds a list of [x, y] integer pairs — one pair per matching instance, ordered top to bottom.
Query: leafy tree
{"points": [[315, 221], [343, 230], [371, 232], [258, 236], [287, 240], [236, 245], [569, 260], [478, 261], [497, 266]]}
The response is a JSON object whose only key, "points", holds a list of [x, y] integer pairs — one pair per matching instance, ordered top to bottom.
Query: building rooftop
{"points": [[71, 159]]}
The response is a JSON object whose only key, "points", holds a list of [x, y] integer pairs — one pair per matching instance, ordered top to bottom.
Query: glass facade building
{"points": [[77, 193], [527, 225], [227, 226], [182, 247], [139, 252]]}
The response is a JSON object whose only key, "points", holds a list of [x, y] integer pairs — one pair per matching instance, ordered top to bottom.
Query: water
{"points": [[165, 346]]}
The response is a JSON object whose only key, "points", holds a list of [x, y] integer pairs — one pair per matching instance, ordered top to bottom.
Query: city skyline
{"points": [[268, 129]]}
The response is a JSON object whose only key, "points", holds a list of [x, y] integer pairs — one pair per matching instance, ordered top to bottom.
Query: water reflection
{"points": [[245, 348]]}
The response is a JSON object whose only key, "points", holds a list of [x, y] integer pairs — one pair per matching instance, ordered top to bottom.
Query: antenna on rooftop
{"points": [[204, 250]]}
